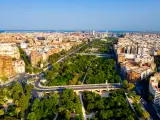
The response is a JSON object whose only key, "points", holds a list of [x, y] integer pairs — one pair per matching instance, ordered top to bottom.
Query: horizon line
{"points": [[77, 30]]}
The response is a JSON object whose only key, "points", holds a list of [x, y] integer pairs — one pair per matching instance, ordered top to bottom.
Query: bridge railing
{"points": [[108, 84]]}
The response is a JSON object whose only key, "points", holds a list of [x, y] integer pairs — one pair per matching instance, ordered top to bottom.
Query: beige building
{"points": [[9, 49], [35, 57], [19, 66], [6, 67]]}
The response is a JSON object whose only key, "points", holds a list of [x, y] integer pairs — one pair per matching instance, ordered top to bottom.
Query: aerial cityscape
{"points": [[79, 60]]}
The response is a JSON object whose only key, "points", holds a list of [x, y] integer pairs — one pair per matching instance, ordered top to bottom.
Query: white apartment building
{"points": [[23, 45], [9, 49], [144, 59], [19, 66], [155, 89]]}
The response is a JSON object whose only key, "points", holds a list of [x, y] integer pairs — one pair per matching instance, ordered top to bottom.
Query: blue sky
{"points": [[138, 15]]}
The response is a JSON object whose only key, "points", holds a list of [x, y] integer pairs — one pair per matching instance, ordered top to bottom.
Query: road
{"points": [[98, 55], [64, 58], [25, 76], [20, 78], [40, 88], [147, 105]]}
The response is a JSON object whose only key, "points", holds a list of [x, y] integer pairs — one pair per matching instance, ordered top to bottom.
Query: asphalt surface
{"points": [[98, 55], [64, 58], [22, 78], [89, 87], [147, 105]]}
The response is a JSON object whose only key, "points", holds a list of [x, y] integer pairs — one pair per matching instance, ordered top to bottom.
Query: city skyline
{"points": [[80, 15], [79, 60]]}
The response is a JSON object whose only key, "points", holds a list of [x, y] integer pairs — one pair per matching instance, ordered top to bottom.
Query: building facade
{"points": [[9, 49], [19, 66], [6, 67], [154, 88]]}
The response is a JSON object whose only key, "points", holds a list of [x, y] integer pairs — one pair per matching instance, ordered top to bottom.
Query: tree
{"points": [[63, 52], [24, 57], [53, 58], [56, 67], [29, 70], [36, 70], [4, 78], [74, 81], [125, 84], [130, 86], [28, 87], [17, 91], [3, 94], [67, 94], [149, 97], [136, 98], [17, 102], [24, 102], [100, 104], [35, 105], [90, 106], [112, 107], [46, 108], [138, 108], [18, 109], [61, 109], [11, 110], [1, 112], [106, 114], [145, 114], [67, 115], [31, 116], [130, 118]]}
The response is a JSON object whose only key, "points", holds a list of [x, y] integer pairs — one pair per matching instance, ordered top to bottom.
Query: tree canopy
{"points": [[112, 107]]}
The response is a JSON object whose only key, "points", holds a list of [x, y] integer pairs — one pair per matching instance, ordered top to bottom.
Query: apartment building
{"points": [[9, 49], [135, 55], [35, 57], [19, 66], [6, 67], [154, 88]]}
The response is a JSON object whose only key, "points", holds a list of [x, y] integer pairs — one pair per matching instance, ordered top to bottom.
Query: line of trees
{"points": [[56, 56], [131, 93]]}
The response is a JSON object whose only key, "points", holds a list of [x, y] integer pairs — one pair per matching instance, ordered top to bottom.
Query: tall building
{"points": [[93, 33], [35, 57], [6, 67], [154, 88]]}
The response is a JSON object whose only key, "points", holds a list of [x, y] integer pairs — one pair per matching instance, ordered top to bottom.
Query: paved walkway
{"points": [[84, 78], [83, 109], [55, 118]]}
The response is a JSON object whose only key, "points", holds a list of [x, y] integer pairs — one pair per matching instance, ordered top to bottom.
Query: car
{"points": [[143, 101]]}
